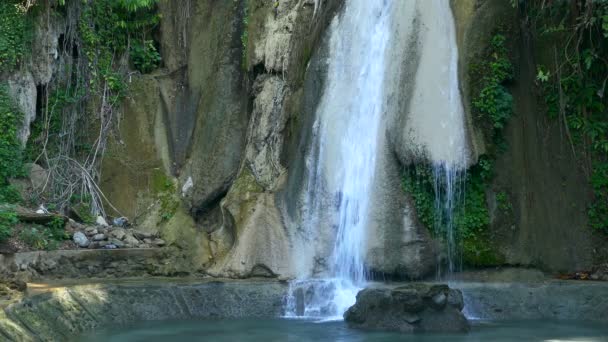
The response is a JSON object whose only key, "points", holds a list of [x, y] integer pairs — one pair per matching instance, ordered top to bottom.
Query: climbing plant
{"points": [[15, 34], [574, 85], [493, 103], [80, 107], [11, 164]]}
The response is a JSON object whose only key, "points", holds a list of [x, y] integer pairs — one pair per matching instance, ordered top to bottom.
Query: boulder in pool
{"points": [[412, 308]]}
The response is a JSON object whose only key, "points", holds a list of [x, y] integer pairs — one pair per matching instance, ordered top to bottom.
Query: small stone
{"points": [[101, 221], [120, 222], [90, 231], [118, 233], [142, 235], [99, 237], [81, 240], [131, 241], [148, 241], [159, 242], [117, 243], [102, 244], [94, 245], [110, 246]]}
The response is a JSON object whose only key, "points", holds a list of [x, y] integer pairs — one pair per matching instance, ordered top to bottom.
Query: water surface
{"points": [[301, 330]]}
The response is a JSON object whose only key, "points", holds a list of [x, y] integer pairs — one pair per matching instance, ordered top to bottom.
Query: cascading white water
{"points": [[437, 115], [350, 121]]}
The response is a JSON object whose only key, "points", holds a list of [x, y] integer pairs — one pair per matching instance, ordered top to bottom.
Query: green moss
{"points": [[165, 190]]}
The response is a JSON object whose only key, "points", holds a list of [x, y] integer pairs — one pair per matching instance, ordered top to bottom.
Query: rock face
{"points": [[409, 309]]}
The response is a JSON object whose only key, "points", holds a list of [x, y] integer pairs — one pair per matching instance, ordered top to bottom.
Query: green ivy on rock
{"points": [[15, 34], [575, 84], [11, 164]]}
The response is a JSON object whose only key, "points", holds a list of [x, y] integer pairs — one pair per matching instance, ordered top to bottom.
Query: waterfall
{"points": [[349, 125]]}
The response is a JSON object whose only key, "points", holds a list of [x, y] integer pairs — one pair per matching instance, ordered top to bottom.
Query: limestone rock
{"points": [[266, 129], [101, 221], [91, 231], [118, 233], [99, 237], [81, 240], [131, 241], [159, 242], [261, 246], [411, 308]]}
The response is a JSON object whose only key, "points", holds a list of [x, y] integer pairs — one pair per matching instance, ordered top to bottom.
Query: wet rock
{"points": [[99, 237], [81, 240], [455, 299], [408, 309]]}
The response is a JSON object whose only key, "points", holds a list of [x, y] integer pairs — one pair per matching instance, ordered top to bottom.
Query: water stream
{"points": [[350, 121]]}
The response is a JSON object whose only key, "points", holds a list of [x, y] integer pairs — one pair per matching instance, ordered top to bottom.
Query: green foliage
{"points": [[135, 5], [107, 28], [15, 34], [145, 57], [576, 94], [494, 104], [50, 128], [11, 164], [503, 202], [598, 211], [470, 216], [8, 219], [45, 237]]}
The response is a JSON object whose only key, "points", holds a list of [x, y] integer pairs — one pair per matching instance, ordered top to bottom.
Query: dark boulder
{"points": [[412, 308]]}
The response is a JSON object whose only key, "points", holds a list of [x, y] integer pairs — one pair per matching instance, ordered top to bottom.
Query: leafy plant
{"points": [[15, 34], [145, 57], [576, 92], [494, 102], [11, 164], [8, 219]]}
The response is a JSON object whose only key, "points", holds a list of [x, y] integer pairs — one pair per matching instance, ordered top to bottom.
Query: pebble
{"points": [[101, 221], [90, 231], [118, 233], [99, 237], [81, 240], [117, 243]]}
